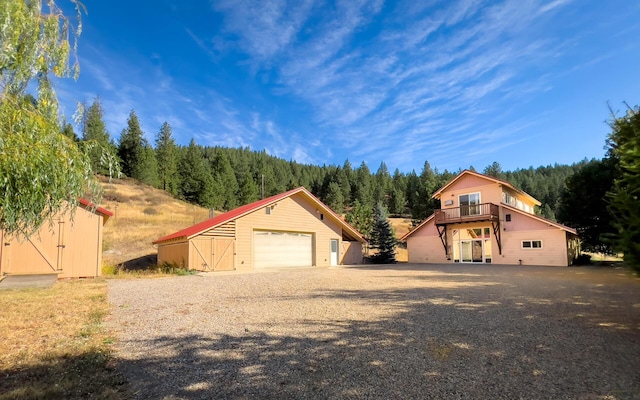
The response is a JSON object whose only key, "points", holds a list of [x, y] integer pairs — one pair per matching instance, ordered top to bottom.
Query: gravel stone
{"points": [[402, 331]]}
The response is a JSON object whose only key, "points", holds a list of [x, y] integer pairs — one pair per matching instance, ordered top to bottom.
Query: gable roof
{"points": [[437, 194], [508, 207], [221, 219], [541, 219], [406, 235]]}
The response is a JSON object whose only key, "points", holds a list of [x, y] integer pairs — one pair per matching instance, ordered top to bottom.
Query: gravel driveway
{"points": [[387, 332]]}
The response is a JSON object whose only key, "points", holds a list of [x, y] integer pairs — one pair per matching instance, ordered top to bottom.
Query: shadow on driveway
{"points": [[381, 332]]}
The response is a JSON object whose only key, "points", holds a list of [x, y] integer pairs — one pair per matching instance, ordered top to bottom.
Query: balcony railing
{"points": [[472, 213]]}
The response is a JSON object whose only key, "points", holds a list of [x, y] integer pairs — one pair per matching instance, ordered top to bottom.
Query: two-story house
{"points": [[487, 220]]}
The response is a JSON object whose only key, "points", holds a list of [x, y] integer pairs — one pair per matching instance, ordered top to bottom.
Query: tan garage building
{"points": [[292, 229], [70, 248]]}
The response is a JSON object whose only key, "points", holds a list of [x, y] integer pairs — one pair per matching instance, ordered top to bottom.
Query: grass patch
{"points": [[151, 211], [145, 270], [54, 344]]}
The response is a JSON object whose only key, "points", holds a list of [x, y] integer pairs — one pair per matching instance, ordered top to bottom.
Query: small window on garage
{"points": [[321, 217], [532, 244]]}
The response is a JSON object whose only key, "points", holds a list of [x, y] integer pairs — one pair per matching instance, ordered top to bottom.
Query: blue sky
{"points": [[455, 83]]}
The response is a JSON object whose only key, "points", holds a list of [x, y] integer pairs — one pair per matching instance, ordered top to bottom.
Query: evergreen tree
{"points": [[67, 130], [96, 139], [130, 145], [624, 146], [167, 157], [138, 160], [147, 170], [494, 170], [225, 176], [350, 178], [197, 184], [382, 187], [362, 189], [248, 191], [412, 192], [334, 198], [397, 201], [425, 205], [584, 205], [361, 218], [382, 237]]}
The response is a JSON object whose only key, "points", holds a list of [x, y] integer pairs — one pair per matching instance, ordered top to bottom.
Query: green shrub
{"points": [[583, 259], [174, 269], [110, 270]]}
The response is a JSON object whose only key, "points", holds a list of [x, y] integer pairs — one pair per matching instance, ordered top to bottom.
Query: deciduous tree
{"points": [[42, 171]]}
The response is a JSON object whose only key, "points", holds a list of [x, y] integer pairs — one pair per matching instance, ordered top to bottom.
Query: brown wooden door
{"points": [[201, 254], [224, 254]]}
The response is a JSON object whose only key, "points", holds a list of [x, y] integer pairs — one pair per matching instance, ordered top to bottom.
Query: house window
{"points": [[469, 204], [321, 217], [507, 217], [532, 244]]}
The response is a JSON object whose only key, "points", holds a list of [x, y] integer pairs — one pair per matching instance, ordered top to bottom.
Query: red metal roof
{"points": [[248, 208], [101, 210]]}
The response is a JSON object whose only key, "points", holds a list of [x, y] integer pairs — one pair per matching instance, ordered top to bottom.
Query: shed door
{"points": [[282, 249], [223, 254]]}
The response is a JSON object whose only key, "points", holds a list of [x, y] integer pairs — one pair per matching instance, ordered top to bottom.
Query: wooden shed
{"points": [[292, 229], [70, 247]]}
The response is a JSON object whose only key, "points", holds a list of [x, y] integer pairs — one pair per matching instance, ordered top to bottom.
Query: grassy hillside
{"points": [[143, 214]]}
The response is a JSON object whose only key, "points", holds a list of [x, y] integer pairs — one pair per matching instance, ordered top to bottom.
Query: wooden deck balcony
{"points": [[472, 213]]}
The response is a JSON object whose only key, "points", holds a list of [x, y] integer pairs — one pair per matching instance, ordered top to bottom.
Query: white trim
{"points": [[469, 205], [531, 242]]}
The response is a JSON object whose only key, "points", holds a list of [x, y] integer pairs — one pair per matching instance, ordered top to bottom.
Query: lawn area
{"points": [[54, 344]]}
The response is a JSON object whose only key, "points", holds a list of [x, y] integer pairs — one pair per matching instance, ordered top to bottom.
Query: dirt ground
{"points": [[398, 331]]}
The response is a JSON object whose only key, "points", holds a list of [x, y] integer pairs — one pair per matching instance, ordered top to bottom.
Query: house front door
{"points": [[472, 245], [471, 251], [334, 252]]}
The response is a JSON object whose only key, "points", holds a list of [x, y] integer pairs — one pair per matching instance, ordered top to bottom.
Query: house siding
{"points": [[489, 192], [293, 214], [560, 245], [425, 246], [71, 248], [553, 251], [177, 252], [351, 253]]}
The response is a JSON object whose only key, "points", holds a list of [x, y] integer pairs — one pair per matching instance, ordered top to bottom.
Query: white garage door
{"points": [[281, 249]]}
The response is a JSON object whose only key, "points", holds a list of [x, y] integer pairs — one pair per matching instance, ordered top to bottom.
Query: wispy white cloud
{"points": [[551, 5], [262, 29], [424, 79]]}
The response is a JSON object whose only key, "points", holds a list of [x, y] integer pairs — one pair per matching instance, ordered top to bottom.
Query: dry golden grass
{"points": [[142, 214], [401, 226], [54, 345]]}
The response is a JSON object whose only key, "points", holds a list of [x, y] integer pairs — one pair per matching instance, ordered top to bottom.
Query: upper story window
{"points": [[508, 198], [469, 204]]}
